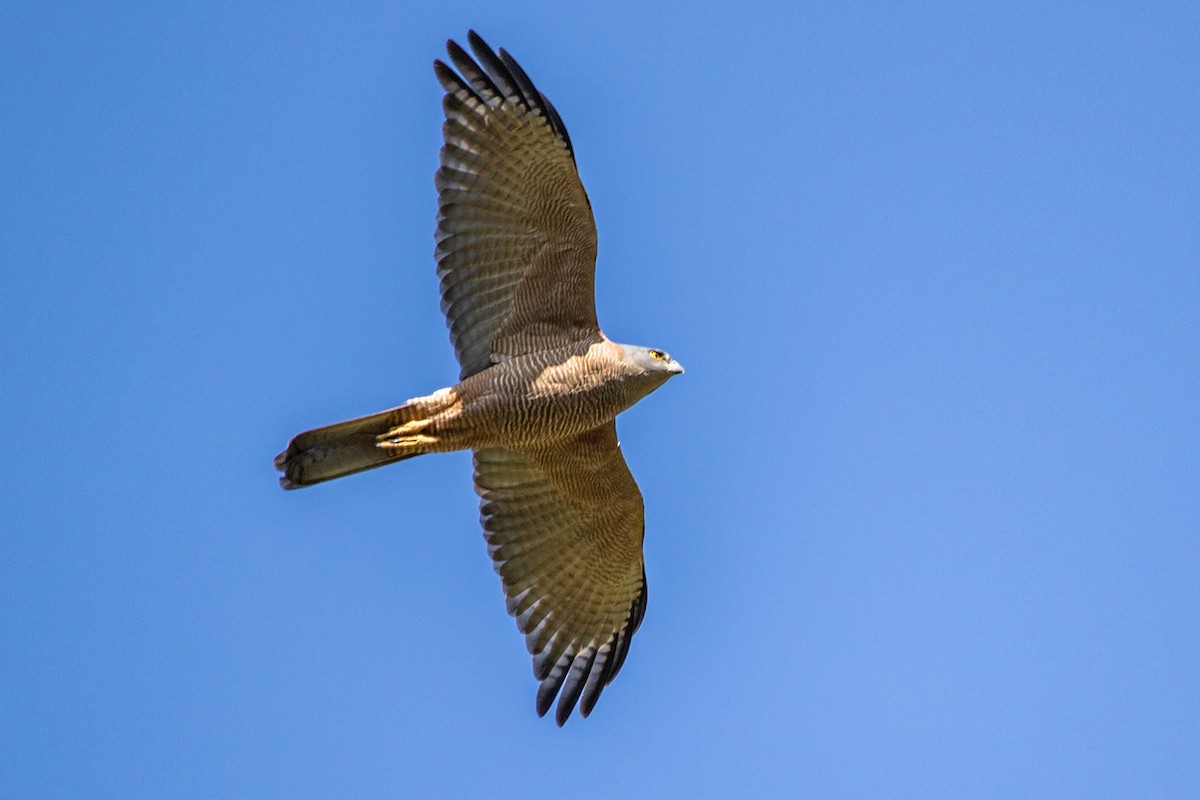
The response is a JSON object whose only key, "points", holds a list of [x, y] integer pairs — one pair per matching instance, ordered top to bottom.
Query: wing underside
{"points": [[516, 242], [564, 528]]}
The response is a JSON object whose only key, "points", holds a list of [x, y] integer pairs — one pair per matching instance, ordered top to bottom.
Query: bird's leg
{"points": [[407, 436]]}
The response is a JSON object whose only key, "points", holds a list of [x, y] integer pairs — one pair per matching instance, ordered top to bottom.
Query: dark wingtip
{"points": [[455, 50], [496, 72], [446, 76], [579, 678], [553, 681], [566, 704]]}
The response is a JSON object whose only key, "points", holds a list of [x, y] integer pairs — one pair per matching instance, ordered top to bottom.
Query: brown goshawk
{"points": [[540, 384]]}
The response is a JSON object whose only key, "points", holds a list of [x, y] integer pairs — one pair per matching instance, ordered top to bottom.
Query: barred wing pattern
{"points": [[516, 242], [564, 528]]}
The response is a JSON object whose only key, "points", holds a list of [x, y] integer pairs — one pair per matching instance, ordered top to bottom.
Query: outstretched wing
{"points": [[516, 242], [564, 528]]}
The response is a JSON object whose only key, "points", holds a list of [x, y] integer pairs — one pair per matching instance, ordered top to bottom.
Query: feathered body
{"points": [[540, 384], [527, 402]]}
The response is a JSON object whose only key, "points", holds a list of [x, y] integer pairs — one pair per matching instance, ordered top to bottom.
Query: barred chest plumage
{"points": [[544, 397]]}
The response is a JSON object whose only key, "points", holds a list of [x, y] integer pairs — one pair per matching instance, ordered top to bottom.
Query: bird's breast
{"points": [[543, 397]]}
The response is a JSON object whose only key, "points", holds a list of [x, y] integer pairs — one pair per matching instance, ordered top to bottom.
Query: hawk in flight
{"points": [[540, 384]]}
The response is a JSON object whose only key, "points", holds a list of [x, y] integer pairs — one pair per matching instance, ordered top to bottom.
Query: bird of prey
{"points": [[540, 384]]}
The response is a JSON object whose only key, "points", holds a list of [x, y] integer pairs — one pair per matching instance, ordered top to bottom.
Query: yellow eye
{"points": [[658, 355]]}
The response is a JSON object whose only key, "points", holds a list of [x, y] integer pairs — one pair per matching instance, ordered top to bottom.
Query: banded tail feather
{"points": [[355, 445]]}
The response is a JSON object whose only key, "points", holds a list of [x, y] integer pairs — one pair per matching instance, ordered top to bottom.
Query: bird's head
{"points": [[651, 367]]}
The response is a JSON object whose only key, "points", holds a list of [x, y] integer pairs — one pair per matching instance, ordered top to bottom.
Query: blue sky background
{"points": [[922, 516]]}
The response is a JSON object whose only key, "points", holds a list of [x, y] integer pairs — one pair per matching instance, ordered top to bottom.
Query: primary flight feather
{"points": [[540, 384]]}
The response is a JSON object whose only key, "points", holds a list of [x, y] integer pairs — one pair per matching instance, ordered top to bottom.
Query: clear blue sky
{"points": [[922, 516]]}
